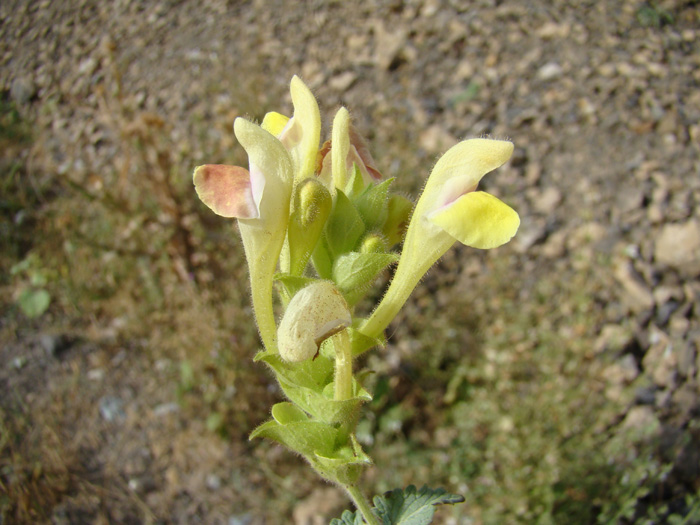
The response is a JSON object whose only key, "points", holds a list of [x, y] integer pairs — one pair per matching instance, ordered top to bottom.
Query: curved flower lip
{"points": [[230, 191], [451, 202]]}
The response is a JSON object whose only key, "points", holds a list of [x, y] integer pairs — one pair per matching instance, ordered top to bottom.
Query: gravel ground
{"points": [[601, 99]]}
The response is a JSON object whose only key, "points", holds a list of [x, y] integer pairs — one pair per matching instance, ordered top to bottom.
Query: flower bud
{"points": [[312, 206], [373, 243], [314, 314]]}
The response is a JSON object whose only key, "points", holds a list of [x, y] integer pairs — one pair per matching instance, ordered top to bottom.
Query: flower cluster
{"points": [[319, 223]]}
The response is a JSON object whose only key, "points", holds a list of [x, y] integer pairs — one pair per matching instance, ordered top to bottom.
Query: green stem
{"points": [[343, 366], [362, 505]]}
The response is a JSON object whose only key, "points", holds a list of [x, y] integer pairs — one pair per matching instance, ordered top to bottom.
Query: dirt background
{"points": [[130, 399]]}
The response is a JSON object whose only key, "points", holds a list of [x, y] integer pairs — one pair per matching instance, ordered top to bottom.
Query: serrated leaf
{"points": [[372, 204], [344, 227], [353, 272], [34, 303], [411, 506], [403, 507], [349, 518]]}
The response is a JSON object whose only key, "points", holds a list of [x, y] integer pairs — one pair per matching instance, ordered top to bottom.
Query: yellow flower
{"points": [[301, 134], [259, 199], [450, 209]]}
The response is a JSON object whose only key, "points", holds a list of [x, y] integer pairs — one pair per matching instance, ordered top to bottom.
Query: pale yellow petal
{"points": [[308, 117], [274, 123], [340, 144], [461, 168], [479, 220]]}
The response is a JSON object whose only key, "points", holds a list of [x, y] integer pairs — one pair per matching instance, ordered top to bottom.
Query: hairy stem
{"points": [[343, 366], [362, 505]]}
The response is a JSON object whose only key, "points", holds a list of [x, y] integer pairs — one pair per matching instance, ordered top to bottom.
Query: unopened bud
{"points": [[312, 206], [373, 243], [314, 314]]}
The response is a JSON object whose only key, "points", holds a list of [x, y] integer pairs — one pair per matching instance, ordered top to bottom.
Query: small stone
{"points": [[387, 45], [550, 71], [343, 81], [21, 90], [435, 139], [548, 200], [530, 233], [588, 233], [555, 245], [678, 246], [636, 295], [664, 311], [613, 338], [54, 344], [686, 360], [661, 361], [622, 372], [96, 374], [645, 395], [112, 408], [166, 408], [642, 419], [213, 482], [318, 505], [240, 519]]}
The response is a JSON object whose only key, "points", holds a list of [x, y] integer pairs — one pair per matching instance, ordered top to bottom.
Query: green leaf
{"points": [[356, 185], [372, 204], [344, 227], [321, 257], [354, 272], [291, 283], [34, 303], [360, 342], [306, 385], [285, 413], [308, 438], [345, 465], [411, 506], [403, 507], [349, 518]]}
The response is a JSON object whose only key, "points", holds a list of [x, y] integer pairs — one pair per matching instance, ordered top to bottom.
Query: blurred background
{"points": [[554, 380]]}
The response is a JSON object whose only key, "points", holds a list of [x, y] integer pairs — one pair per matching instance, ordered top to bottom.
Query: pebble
{"points": [[549, 71], [342, 81], [435, 139], [547, 200], [678, 246], [636, 294], [661, 361], [112, 408], [166, 408]]}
